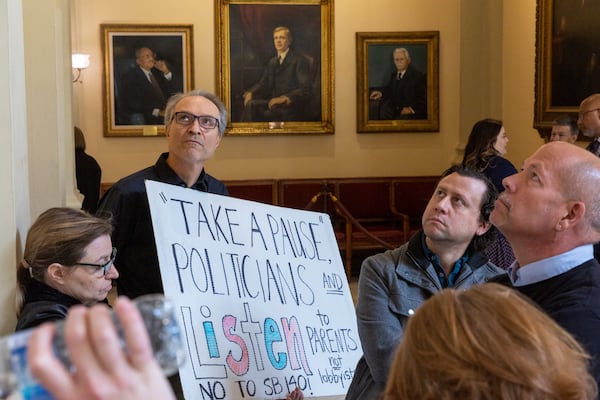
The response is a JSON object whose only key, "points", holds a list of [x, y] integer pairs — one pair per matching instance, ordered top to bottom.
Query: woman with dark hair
{"points": [[485, 152], [68, 260]]}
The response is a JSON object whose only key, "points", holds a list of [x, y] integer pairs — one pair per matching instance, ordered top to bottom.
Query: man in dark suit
{"points": [[145, 89], [283, 91], [405, 96]]}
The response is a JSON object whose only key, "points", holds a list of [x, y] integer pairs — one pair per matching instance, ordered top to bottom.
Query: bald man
{"points": [[589, 121], [550, 214]]}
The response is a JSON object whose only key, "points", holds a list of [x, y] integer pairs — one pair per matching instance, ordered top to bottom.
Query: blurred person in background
{"points": [[87, 173]]}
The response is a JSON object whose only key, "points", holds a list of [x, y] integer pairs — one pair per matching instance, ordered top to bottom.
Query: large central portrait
{"points": [[274, 66]]}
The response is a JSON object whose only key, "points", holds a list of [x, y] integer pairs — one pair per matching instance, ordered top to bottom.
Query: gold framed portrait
{"points": [[143, 66], [275, 66], [397, 84]]}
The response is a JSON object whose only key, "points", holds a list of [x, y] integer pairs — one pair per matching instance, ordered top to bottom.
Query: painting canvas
{"points": [[567, 58], [275, 65], [143, 66], [397, 86]]}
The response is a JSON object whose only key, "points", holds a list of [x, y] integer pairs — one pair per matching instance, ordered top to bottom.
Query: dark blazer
{"points": [[291, 78], [410, 91], [139, 96]]}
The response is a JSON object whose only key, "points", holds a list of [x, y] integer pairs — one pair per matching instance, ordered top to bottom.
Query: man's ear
{"points": [[574, 213], [483, 228], [56, 273]]}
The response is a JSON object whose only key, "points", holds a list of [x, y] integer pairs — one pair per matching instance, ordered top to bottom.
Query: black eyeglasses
{"points": [[205, 121], [105, 267]]}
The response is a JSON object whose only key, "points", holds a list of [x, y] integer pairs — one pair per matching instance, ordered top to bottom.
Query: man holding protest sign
{"points": [[194, 126], [446, 253]]}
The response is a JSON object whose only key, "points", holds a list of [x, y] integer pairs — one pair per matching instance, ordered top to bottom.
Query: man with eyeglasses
{"points": [[589, 121], [589, 125], [194, 126]]}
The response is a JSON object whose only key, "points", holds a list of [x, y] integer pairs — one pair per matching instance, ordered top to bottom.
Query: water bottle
{"points": [[158, 314]]}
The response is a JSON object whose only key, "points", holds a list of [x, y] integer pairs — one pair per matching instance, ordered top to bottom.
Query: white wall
{"points": [[518, 70], [36, 156], [14, 209]]}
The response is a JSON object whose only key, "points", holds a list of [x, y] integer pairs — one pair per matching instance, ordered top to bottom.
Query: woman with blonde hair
{"points": [[68, 260], [487, 342]]}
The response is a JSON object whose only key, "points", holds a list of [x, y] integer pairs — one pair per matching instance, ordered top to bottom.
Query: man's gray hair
{"points": [[402, 50], [176, 98]]}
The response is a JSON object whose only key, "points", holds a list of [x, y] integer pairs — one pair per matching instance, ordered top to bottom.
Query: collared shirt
{"points": [[282, 55], [147, 73], [168, 76], [127, 202], [549, 267], [445, 281]]}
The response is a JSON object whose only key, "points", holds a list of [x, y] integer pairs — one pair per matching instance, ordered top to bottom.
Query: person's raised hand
{"points": [[102, 369]]}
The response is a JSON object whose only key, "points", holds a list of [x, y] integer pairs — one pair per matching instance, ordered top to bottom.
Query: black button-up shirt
{"points": [[127, 203]]}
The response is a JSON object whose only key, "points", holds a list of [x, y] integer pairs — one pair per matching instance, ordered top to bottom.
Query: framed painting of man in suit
{"points": [[567, 58], [144, 65], [274, 66], [397, 85]]}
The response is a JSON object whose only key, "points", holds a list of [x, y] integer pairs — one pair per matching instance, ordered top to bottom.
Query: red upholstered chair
{"points": [[262, 191]]}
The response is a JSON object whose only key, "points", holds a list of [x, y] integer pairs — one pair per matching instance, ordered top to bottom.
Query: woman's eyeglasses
{"points": [[105, 267]]}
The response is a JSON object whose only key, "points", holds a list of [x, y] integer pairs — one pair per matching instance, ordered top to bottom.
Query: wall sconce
{"points": [[79, 62]]}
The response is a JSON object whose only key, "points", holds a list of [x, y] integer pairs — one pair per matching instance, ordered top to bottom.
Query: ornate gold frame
{"points": [[129, 36], [368, 43], [566, 59], [226, 63]]}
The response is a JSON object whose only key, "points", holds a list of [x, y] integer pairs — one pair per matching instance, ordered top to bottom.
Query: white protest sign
{"points": [[261, 294]]}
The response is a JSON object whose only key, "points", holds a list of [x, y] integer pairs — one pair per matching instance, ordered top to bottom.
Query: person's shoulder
{"points": [[293, 54], [413, 71], [132, 73], [90, 159], [501, 162], [499, 167], [134, 180], [130, 185], [215, 185], [386, 262], [491, 272], [39, 312]]}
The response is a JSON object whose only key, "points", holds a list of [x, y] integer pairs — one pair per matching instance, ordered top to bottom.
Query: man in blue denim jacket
{"points": [[446, 253]]}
